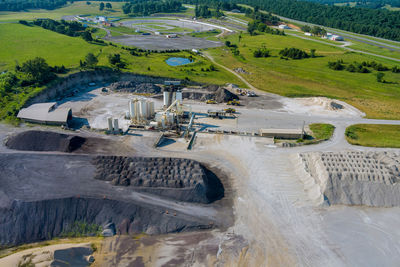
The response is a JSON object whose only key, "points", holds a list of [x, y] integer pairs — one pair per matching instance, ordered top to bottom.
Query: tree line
{"points": [[374, 4], [18, 5], [145, 8], [203, 11], [375, 22]]}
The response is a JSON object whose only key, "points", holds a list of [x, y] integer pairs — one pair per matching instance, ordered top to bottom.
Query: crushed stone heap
{"points": [[134, 87], [355, 178], [181, 179]]}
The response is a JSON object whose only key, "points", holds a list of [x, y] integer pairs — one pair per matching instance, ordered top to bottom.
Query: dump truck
{"points": [[210, 101]]}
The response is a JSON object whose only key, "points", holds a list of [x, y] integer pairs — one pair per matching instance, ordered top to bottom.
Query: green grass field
{"points": [[76, 8], [20, 43], [312, 77], [322, 131], [374, 135]]}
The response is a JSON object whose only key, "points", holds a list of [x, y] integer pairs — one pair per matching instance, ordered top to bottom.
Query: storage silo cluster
{"points": [[170, 96], [141, 109]]}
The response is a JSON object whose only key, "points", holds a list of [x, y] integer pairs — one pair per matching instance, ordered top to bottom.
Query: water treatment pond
{"points": [[178, 61]]}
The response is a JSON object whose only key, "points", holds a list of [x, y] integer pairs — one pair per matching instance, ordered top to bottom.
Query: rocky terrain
{"points": [[135, 87], [219, 94], [355, 178], [180, 179], [41, 195]]}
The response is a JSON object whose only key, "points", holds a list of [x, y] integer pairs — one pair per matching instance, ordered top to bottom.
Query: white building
{"points": [[284, 27], [336, 38]]}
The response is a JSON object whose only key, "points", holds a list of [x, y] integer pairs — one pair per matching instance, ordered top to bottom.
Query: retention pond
{"points": [[178, 61]]}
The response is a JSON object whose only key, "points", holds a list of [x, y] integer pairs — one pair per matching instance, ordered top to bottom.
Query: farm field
{"points": [[311, 76], [374, 135]]}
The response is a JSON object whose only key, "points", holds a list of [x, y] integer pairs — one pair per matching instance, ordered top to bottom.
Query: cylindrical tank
{"points": [[179, 96], [173, 97], [166, 98], [131, 109], [136, 109], [143, 109], [150, 109], [110, 124], [116, 127]]}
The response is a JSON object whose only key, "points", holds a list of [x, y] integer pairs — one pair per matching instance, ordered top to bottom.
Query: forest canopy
{"points": [[18, 5], [375, 22]]}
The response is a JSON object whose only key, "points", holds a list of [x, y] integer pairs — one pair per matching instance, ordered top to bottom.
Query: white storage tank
{"points": [[179, 96], [173, 97], [166, 98], [131, 109], [143, 109], [150, 109], [110, 124], [116, 127]]}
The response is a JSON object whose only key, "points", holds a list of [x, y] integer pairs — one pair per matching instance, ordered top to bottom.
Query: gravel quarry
{"points": [[354, 178], [230, 199]]}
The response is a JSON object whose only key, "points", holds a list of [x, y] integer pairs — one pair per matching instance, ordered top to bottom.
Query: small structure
{"points": [[284, 27], [336, 38], [172, 82], [46, 113], [216, 113], [282, 133]]}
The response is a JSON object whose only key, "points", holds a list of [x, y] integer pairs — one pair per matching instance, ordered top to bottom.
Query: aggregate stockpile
{"points": [[135, 87], [45, 141], [353, 178], [180, 179], [42, 195]]}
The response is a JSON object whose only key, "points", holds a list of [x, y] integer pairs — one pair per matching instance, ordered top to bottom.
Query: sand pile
{"points": [[134, 87], [45, 141], [354, 178], [181, 179]]}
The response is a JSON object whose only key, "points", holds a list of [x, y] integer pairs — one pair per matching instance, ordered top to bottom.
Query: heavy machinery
{"points": [[210, 101], [234, 102], [230, 110]]}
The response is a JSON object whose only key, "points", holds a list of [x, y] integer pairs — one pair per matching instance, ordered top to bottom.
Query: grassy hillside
{"points": [[19, 43], [311, 76], [374, 135]]}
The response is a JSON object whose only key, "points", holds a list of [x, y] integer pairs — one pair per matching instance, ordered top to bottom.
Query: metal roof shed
{"points": [[46, 113]]}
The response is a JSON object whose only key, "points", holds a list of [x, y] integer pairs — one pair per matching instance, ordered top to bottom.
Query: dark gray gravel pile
{"points": [[133, 87], [45, 141], [181, 179]]}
